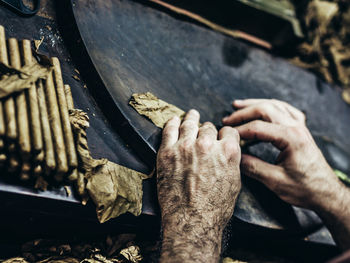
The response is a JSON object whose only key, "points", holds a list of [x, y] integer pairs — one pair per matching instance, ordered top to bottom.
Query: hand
{"points": [[301, 176], [198, 183]]}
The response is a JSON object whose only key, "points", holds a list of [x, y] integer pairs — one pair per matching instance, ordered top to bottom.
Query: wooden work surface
{"points": [[140, 48], [108, 126]]}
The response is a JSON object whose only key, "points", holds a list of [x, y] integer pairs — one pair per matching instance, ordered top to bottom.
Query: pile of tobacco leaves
{"points": [[326, 47], [122, 248]]}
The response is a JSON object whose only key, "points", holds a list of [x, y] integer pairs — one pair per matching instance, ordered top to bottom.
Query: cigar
{"points": [[69, 97], [8, 104], [21, 104], [63, 107], [34, 115], [2, 117], [2, 127], [56, 128], [3, 158], [49, 158], [13, 163], [25, 171], [37, 171], [73, 177]]}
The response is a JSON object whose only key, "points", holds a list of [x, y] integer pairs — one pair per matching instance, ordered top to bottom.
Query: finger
{"points": [[247, 102], [189, 126], [208, 130], [171, 132], [228, 132], [266, 132], [264, 172]]}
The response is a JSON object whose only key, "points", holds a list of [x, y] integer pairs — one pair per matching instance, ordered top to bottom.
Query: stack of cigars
{"points": [[36, 137]]}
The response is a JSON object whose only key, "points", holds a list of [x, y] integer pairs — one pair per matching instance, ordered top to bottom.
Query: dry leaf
{"points": [[17, 80], [158, 111], [113, 188], [132, 254], [15, 260], [230, 260]]}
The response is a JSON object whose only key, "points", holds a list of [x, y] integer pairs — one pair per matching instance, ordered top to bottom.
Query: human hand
{"points": [[301, 176], [198, 183]]}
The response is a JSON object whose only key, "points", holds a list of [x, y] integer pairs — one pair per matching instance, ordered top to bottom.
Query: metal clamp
{"points": [[19, 7]]}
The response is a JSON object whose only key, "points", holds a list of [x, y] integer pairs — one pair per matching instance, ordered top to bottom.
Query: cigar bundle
{"points": [[43, 138], [36, 139]]}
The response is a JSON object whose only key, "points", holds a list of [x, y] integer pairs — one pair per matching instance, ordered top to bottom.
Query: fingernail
{"points": [[237, 102], [193, 111], [225, 119]]}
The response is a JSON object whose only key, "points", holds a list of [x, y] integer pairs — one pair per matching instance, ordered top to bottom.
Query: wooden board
{"points": [[137, 48]]}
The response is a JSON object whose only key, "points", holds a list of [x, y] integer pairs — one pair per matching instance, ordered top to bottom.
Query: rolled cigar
{"points": [[69, 97], [8, 104], [21, 105], [63, 107], [34, 115], [2, 117], [2, 127], [56, 128], [3, 158], [49, 158], [13, 163], [25, 171], [37, 171], [73, 177]]}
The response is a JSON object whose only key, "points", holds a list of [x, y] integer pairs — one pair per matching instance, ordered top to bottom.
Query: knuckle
{"points": [[188, 124], [208, 125], [169, 129], [204, 143], [186, 145], [231, 148]]}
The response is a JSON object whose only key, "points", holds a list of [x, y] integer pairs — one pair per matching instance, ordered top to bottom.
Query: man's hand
{"points": [[301, 176], [198, 183]]}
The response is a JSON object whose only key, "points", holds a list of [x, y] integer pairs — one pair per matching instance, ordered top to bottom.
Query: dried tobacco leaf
{"points": [[17, 80], [158, 111], [113, 188], [132, 254], [15, 260]]}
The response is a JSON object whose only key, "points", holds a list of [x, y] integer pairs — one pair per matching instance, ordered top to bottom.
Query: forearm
{"points": [[335, 212], [191, 242]]}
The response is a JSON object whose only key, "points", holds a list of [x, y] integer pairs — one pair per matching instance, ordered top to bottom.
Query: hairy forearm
{"points": [[335, 212], [191, 242]]}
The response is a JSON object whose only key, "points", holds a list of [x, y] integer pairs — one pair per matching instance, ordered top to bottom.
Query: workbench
{"points": [[48, 216]]}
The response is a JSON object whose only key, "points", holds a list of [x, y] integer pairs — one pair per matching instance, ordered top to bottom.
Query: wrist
{"points": [[333, 200], [190, 241]]}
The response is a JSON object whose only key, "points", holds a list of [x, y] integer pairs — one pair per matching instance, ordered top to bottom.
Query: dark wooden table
{"points": [[53, 212]]}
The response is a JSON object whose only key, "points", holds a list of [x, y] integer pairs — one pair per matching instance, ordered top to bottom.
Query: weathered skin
{"points": [[301, 175], [199, 177], [198, 183]]}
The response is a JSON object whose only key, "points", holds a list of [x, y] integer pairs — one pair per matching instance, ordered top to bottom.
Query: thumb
{"points": [[264, 172]]}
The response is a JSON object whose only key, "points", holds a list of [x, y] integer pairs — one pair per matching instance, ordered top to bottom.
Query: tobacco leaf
{"points": [[14, 80], [157, 110], [113, 188], [132, 254], [15, 260]]}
